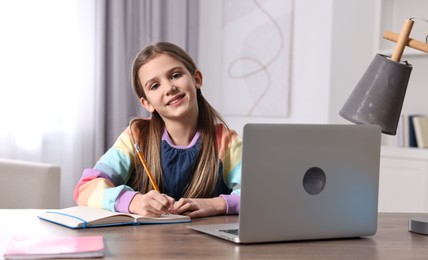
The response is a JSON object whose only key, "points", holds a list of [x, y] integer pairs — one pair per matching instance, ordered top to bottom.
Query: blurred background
{"points": [[65, 92]]}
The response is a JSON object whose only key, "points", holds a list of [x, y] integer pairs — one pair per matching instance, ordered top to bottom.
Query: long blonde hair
{"points": [[149, 132]]}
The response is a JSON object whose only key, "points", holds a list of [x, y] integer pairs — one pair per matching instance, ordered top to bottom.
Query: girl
{"points": [[195, 159]]}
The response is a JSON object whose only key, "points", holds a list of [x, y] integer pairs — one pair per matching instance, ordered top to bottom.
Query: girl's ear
{"points": [[198, 79], [146, 104]]}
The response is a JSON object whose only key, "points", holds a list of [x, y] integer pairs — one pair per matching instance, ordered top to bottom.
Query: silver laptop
{"points": [[305, 182]]}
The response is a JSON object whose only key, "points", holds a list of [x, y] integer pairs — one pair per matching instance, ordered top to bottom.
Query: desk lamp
{"points": [[378, 97]]}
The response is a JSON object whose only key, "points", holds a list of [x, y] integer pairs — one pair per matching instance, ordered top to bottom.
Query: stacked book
{"points": [[412, 131]]}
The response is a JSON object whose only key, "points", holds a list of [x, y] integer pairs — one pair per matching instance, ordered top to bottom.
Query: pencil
{"points": [[149, 174]]}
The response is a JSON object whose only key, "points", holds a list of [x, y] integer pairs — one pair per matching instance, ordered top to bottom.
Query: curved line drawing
{"points": [[261, 67], [263, 94]]}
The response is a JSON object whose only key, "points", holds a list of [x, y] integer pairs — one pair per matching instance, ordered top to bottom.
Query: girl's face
{"points": [[170, 88]]}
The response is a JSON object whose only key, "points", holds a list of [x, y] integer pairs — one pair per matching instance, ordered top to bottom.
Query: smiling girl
{"points": [[194, 157]]}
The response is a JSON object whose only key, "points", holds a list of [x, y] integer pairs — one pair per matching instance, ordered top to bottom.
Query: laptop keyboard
{"points": [[234, 231]]}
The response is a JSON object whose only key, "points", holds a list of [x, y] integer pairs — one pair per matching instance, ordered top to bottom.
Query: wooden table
{"points": [[176, 241]]}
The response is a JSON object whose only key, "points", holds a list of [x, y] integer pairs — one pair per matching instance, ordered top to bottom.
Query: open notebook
{"points": [[303, 182], [87, 217]]}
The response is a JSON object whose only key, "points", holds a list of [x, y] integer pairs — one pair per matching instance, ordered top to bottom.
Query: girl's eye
{"points": [[175, 75], [154, 86]]}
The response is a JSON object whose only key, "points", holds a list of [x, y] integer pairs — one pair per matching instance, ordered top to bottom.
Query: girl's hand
{"points": [[151, 204], [196, 208]]}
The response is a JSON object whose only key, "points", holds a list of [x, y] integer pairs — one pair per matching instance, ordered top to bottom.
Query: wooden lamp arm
{"points": [[403, 40]]}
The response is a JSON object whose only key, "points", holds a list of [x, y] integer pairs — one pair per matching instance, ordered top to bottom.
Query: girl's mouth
{"points": [[175, 100]]}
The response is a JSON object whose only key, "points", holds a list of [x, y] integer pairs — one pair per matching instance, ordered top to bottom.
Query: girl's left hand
{"points": [[196, 208]]}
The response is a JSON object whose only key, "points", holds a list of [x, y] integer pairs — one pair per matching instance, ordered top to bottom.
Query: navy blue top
{"points": [[178, 166]]}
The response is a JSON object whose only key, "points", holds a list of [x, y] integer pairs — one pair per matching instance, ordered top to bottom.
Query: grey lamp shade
{"points": [[378, 97]]}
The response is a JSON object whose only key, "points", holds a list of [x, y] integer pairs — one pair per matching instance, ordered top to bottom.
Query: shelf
{"points": [[404, 152], [403, 180]]}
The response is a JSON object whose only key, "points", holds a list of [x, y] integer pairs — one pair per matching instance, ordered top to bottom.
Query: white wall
{"points": [[354, 36]]}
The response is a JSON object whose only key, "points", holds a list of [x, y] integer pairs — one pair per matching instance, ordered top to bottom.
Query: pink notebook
{"points": [[33, 247]]}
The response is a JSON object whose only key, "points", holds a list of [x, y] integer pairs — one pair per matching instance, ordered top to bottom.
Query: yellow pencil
{"points": [[152, 181]]}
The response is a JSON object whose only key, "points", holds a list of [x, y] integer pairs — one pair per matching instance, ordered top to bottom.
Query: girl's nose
{"points": [[171, 89]]}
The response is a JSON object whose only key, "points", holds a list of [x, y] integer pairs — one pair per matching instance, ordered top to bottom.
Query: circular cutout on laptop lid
{"points": [[314, 180]]}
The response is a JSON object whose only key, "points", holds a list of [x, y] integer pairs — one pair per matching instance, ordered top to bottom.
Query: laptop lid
{"points": [[303, 182]]}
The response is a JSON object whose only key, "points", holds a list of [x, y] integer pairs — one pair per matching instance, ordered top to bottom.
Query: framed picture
{"points": [[255, 57]]}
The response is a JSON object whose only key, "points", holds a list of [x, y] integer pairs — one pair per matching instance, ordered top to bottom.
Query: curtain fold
{"points": [[129, 26], [46, 89]]}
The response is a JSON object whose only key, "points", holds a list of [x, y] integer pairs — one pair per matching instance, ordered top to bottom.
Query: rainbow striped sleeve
{"points": [[230, 153], [104, 185]]}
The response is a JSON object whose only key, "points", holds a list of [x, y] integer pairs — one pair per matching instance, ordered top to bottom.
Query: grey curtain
{"points": [[123, 28]]}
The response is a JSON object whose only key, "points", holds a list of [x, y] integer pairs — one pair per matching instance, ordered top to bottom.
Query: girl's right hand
{"points": [[151, 204]]}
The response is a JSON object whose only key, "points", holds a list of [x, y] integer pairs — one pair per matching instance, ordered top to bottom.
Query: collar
{"points": [[167, 138]]}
